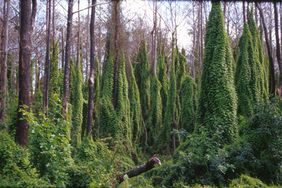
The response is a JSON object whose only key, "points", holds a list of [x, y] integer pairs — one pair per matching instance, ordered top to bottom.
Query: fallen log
{"points": [[140, 169]]}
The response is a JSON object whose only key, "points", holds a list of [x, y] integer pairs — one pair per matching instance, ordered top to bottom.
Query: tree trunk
{"points": [[27, 12], [244, 12], [115, 31], [78, 35], [154, 40], [277, 43], [63, 47], [47, 57], [270, 58], [67, 59], [3, 60], [92, 71], [140, 169]]}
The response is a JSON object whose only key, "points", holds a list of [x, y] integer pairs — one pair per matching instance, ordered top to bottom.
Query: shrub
{"points": [[15, 167]]}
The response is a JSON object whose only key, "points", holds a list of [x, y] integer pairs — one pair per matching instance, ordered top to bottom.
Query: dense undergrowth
{"points": [[203, 139]]}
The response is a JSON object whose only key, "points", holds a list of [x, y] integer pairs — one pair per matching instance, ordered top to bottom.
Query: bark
{"points": [[27, 12], [244, 12], [53, 27], [78, 35], [116, 35], [154, 40], [277, 43], [63, 47], [47, 57], [67, 58], [270, 58], [3, 60], [92, 72], [140, 169]]}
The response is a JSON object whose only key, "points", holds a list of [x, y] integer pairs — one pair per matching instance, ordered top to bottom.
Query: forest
{"points": [[140, 93]]}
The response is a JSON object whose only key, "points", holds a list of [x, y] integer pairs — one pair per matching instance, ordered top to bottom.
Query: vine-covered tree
{"points": [[27, 12], [243, 73], [218, 101], [77, 103]]}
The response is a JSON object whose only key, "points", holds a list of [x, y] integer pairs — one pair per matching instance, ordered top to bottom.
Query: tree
{"points": [[27, 12], [278, 55], [270, 58], [67, 59], [3, 60], [259, 65], [47, 66], [92, 71], [244, 74], [142, 75], [188, 101], [218, 102], [77, 103], [135, 108], [169, 121]]}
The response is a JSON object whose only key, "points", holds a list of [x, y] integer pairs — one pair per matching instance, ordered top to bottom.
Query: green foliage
{"points": [[260, 66], [180, 67], [244, 74], [142, 75], [162, 75], [56, 76], [97, 96], [188, 100], [218, 102], [77, 103], [123, 105], [135, 108], [170, 113], [107, 115], [155, 117], [49, 144], [93, 165], [15, 167], [246, 182]]}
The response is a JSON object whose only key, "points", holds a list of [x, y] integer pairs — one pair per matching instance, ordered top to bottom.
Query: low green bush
{"points": [[15, 167]]}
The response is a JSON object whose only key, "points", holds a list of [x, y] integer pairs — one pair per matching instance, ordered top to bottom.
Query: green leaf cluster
{"points": [[218, 101]]}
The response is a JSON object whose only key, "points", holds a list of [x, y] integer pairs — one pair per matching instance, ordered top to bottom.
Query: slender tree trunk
{"points": [[27, 12], [244, 12], [276, 24], [53, 28], [116, 33], [78, 35], [154, 40], [87, 43], [63, 47], [47, 57], [270, 58], [67, 59], [3, 60], [92, 72]]}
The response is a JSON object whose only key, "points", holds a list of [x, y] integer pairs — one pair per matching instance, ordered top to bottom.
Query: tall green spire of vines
{"points": [[218, 101]]}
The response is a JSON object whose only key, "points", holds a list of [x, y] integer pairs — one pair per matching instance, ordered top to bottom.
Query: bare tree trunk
{"points": [[27, 12], [244, 12], [276, 24], [53, 27], [116, 33], [78, 35], [154, 40], [87, 42], [63, 47], [47, 57], [67, 59], [270, 59], [3, 60], [92, 72], [150, 164]]}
